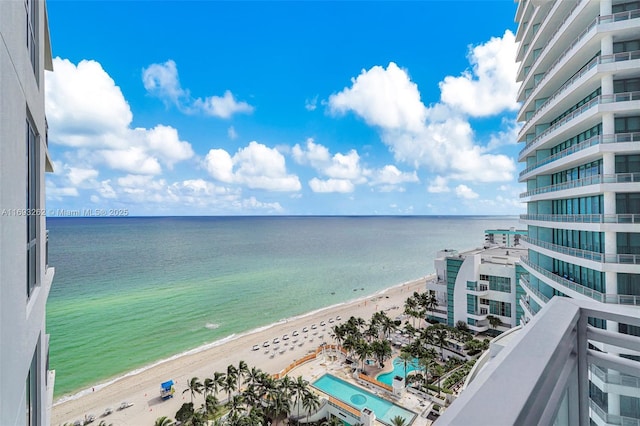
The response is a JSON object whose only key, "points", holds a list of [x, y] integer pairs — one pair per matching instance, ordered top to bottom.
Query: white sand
{"points": [[143, 388]]}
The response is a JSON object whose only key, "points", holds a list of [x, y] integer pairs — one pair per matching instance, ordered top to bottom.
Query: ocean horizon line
{"points": [[283, 216]]}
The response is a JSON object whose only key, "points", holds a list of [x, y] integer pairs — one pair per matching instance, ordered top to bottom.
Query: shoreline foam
{"points": [[234, 336], [141, 386]]}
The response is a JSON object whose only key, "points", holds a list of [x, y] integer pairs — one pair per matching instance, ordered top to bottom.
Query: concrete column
{"points": [[605, 7], [606, 44], [606, 84], [608, 123], [608, 163]]}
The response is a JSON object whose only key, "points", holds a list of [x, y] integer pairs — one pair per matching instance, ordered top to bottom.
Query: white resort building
{"points": [[474, 285], [577, 361], [26, 386]]}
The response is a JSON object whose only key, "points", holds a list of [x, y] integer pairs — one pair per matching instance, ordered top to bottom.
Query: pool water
{"points": [[398, 370], [360, 398]]}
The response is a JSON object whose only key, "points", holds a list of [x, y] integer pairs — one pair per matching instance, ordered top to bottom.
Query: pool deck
{"points": [[314, 369]]}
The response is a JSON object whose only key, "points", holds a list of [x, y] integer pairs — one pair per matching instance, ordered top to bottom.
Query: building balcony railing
{"points": [[617, 17], [553, 39], [600, 59], [601, 99], [593, 141], [590, 180], [584, 218], [585, 254], [525, 283], [475, 287], [618, 299], [526, 306], [551, 359], [615, 379], [612, 419]]}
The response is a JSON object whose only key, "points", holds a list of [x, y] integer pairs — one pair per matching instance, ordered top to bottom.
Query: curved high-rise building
{"points": [[580, 108]]}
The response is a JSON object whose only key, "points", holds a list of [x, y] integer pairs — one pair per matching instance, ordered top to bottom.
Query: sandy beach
{"points": [[143, 388]]}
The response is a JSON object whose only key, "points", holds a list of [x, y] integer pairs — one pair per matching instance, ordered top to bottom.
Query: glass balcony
{"points": [[617, 17], [601, 99], [596, 140], [591, 180], [583, 218], [585, 254], [524, 282], [619, 299], [544, 371], [615, 379]]}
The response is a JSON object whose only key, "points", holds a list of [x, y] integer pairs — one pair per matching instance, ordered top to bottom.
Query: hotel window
{"points": [[31, 9], [627, 124], [627, 163], [32, 201], [502, 309], [32, 392]]}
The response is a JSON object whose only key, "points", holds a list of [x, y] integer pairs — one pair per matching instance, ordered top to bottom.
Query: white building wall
{"points": [[22, 318]]}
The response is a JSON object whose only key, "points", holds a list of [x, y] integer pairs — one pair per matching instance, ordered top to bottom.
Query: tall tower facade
{"points": [[580, 95], [26, 385]]}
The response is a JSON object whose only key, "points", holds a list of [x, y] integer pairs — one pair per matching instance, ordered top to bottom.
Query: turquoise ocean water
{"points": [[131, 291]]}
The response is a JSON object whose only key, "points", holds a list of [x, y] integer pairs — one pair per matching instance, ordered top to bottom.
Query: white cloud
{"points": [[162, 81], [490, 86], [382, 97], [84, 101], [311, 104], [222, 106], [86, 110], [231, 132], [439, 138], [166, 144], [131, 160], [255, 166], [347, 167], [77, 175], [390, 175], [331, 185], [438, 185], [106, 190], [463, 191], [56, 192]]}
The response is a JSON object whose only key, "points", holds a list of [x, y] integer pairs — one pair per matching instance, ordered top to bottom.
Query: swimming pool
{"points": [[398, 370], [360, 398]]}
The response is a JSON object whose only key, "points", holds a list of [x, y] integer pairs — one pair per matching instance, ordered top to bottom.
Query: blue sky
{"points": [[294, 108]]}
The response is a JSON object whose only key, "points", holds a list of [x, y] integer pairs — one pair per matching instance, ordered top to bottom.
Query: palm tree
{"points": [[430, 302], [410, 306], [494, 321], [387, 326], [440, 338], [363, 350], [382, 351], [406, 358], [232, 371], [242, 371], [218, 380], [229, 384], [193, 387], [299, 387], [207, 388], [310, 402], [210, 404], [236, 405], [163, 421], [398, 421]]}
